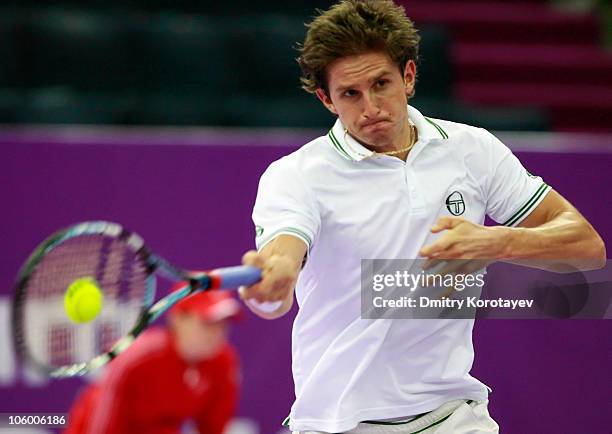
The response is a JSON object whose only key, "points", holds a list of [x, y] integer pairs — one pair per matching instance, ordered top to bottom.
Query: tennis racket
{"points": [[124, 271]]}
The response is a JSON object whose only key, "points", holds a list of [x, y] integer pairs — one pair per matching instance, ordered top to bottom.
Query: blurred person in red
{"points": [[185, 372]]}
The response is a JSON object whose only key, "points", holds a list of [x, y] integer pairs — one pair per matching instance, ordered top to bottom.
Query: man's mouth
{"points": [[375, 122]]}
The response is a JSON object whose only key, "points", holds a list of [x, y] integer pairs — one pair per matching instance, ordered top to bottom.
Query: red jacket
{"points": [[149, 389]]}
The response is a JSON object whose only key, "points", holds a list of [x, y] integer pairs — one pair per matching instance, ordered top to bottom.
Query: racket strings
{"points": [[119, 273], [60, 345]]}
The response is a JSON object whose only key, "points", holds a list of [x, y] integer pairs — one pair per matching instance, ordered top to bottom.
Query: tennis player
{"points": [[389, 182], [187, 372]]}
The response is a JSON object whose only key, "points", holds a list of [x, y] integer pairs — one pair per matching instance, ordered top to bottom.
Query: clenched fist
{"points": [[279, 274]]}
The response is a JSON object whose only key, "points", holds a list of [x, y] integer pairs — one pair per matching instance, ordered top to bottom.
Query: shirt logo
{"points": [[455, 203], [259, 231], [194, 380]]}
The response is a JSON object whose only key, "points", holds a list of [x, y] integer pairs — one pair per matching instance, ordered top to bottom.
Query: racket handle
{"points": [[233, 277]]}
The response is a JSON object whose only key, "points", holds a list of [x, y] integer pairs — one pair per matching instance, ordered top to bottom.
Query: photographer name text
{"points": [[468, 302]]}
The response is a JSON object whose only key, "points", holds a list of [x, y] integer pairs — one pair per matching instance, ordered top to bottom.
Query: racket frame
{"points": [[194, 282]]}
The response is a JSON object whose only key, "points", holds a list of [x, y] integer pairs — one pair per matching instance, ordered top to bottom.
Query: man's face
{"points": [[369, 94], [197, 340]]}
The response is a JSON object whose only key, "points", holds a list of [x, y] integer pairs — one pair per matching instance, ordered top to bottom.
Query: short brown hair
{"points": [[354, 27]]}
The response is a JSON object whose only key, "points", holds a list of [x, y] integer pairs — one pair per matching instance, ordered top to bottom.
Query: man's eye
{"points": [[381, 83], [350, 92]]}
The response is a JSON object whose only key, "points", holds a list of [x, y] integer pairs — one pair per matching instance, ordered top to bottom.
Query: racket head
{"points": [[120, 266]]}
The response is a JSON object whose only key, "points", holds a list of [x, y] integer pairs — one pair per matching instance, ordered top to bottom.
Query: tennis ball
{"points": [[83, 300]]}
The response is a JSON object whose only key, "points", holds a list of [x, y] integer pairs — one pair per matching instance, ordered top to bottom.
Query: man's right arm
{"points": [[280, 260]]}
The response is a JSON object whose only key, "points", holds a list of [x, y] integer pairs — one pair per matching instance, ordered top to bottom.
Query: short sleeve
{"points": [[512, 192], [284, 205]]}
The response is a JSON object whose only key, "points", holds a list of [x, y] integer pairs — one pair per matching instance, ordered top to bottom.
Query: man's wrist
{"points": [[507, 240], [264, 306], [269, 309]]}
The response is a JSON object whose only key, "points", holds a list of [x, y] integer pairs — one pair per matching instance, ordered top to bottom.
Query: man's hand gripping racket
{"points": [[88, 291]]}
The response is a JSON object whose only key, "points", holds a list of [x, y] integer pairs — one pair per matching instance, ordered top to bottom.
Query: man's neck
{"points": [[405, 139]]}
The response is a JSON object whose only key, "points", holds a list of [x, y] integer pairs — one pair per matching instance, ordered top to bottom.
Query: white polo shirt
{"points": [[346, 204]]}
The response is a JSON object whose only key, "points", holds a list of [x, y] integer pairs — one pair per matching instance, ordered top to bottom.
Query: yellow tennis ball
{"points": [[83, 300]]}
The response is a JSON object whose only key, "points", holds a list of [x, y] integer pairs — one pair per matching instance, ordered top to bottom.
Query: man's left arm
{"points": [[553, 231]]}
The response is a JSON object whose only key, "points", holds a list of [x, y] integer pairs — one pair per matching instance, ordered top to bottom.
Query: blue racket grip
{"points": [[233, 277]]}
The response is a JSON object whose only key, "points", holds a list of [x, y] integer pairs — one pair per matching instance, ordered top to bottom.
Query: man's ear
{"points": [[410, 77], [326, 100]]}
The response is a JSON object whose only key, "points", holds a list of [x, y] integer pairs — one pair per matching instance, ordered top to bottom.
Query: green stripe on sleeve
{"points": [[525, 209], [288, 230], [299, 233]]}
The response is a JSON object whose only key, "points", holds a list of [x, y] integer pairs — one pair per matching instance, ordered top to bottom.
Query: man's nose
{"points": [[370, 105]]}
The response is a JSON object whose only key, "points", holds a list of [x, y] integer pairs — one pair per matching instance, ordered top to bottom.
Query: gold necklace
{"points": [[406, 149], [396, 152]]}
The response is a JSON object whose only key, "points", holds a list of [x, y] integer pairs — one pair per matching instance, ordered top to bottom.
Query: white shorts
{"points": [[455, 417]]}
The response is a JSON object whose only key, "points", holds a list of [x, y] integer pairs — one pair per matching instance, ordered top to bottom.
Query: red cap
{"points": [[210, 306]]}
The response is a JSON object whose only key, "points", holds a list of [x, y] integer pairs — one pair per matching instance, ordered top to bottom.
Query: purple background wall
{"points": [[192, 204]]}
